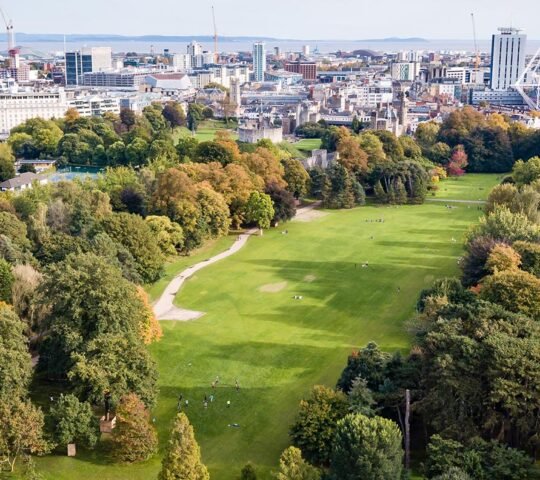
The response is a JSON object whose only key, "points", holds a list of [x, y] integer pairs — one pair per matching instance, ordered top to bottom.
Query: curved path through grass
{"points": [[164, 307]]}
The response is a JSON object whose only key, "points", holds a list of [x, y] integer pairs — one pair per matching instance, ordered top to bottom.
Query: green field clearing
{"points": [[206, 131], [306, 145], [469, 187], [278, 347]]}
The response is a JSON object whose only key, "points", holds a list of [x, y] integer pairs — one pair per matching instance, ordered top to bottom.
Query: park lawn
{"points": [[206, 130], [306, 145], [472, 186], [180, 263], [278, 347]]}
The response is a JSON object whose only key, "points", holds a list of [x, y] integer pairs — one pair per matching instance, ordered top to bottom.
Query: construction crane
{"points": [[10, 31], [476, 52], [216, 54]]}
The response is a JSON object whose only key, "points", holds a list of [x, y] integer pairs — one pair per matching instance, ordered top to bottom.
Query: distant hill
{"points": [[74, 38]]}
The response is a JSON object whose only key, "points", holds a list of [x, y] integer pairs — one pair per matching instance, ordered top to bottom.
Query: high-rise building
{"points": [[194, 48], [306, 50], [507, 58], [87, 60], [259, 61]]}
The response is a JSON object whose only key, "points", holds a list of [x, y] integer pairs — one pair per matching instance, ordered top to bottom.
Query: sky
{"points": [[291, 19]]}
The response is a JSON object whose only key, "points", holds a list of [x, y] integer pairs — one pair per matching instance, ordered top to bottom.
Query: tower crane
{"points": [[10, 31], [476, 52], [216, 54]]}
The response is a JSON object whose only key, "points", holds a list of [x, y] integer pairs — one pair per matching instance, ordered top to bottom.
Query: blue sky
{"points": [[298, 19]]}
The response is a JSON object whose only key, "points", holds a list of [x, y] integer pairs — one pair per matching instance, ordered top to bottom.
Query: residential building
{"points": [[507, 58], [87, 60], [259, 61], [182, 62], [308, 70], [405, 71], [18, 106], [23, 182]]}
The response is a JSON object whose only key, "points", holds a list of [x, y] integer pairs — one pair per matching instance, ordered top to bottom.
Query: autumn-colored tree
{"points": [[223, 138], [351, 156], [458, 162], [264, 163], [296, 177], [501, 258], [515, 290], [150, 328], [21, 430], [134, 438], [182, 460]]}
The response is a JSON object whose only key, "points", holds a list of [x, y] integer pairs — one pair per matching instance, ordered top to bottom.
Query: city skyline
{"points": [[286, 20]]}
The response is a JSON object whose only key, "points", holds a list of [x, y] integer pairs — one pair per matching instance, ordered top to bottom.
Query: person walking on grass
{"points": [[237, 385]]}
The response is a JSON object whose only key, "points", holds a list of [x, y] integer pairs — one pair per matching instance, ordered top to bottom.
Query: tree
{"points": [[174, 114], [195, 116], [127, 117], [332, 136], [372, 145], [187, 148], [163, 151], [212, 151], [136, 152], [440, 153], [352, 157], [7, 162], [263, 162], [458, 162], [525, 173], [296, 177], [339, 191], [284, 204], [259, 210], [135, 234], [168, 235], [530, 256], [502, 258], [473, 264], [6, 281], [515, 290], [24, 292], [87, 298], [150, 329], [15, 363], [368, 364], [361, 398], [71, 421], [315, 425], [21, 430], [135, 438], [366, 448], [182, 459], [293, 467], [248, 472], [453, 473]]}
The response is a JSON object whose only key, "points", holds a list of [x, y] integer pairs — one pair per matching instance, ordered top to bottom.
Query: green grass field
{"points": [[207, 130], [306, 145], [468, 187], [278, 347]]}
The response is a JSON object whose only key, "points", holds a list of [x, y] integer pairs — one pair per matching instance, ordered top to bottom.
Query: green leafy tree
{"points": [[174, 114], [187, 148], [212, 151], [136, 152], [7, 163], [525, 173], [296, 176], [259, 210], [135, 234], [169, 235], [530, 256], [6, 281], [87, 298], [15, 363], [92, 375], [361, 398], [71, 421], [316, 423], [135, 438], [366, 448], [182, 459], [293, 467], [453, 473]]}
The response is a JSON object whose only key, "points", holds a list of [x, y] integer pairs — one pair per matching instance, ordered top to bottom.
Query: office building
{"points": [[194, 48], [507, 58], [87, 60], [259, 61], [182, 62], [308, 70], [123, 79], [17, 107]]}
